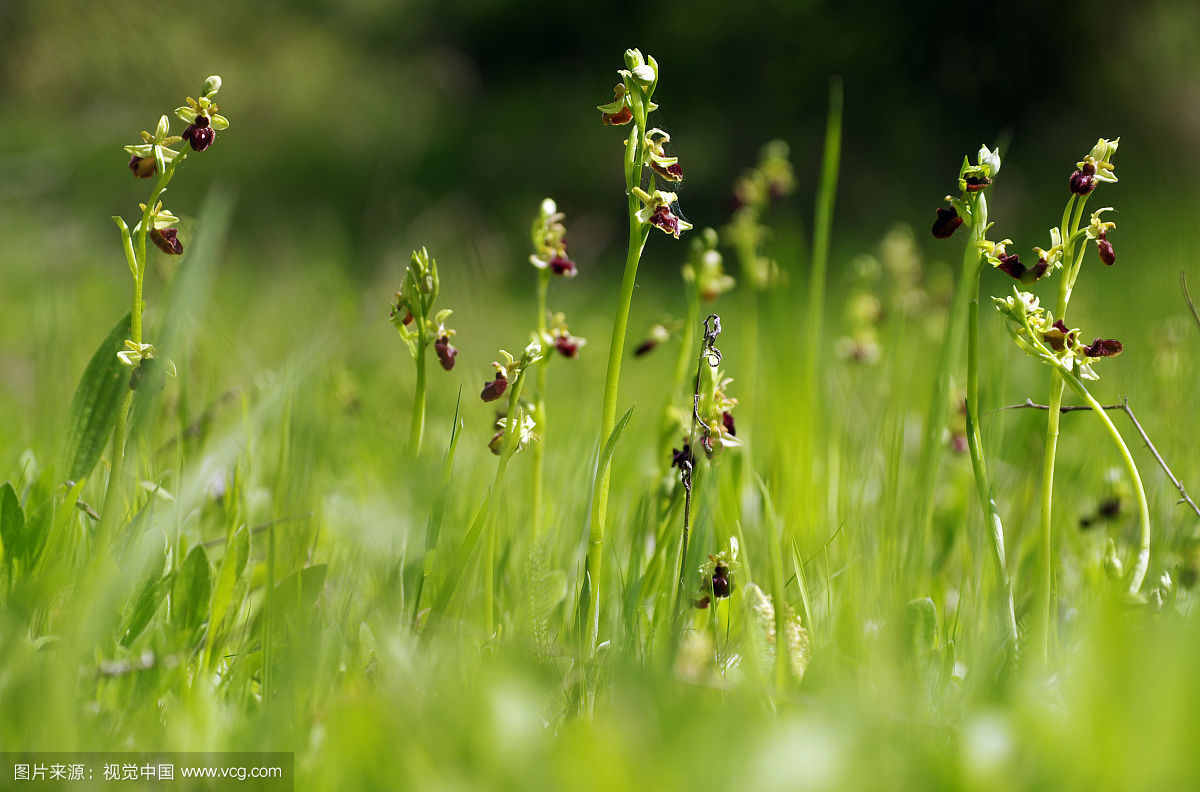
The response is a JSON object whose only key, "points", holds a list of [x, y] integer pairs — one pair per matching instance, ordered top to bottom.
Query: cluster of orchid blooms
{"points": [[632, 103], [154, 156], [1036, 330]]}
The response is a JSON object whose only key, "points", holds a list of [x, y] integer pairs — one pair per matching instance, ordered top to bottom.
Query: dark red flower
{"points": [[619, 118], [199, 133], [143, 167], [673, 173], [976, 183], [1082, 183], [664, 219], [947, 223], [167, 240], [1107, 254], [561, 265], [1012, 266], [1060, 337], [567, 345], [645, 347], [1104, 347], [445, 352], [495, 388], [727, 420], [682, 456], [722, 586]]}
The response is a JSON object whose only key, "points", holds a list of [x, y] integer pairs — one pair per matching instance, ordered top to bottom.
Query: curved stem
{"points": [[1143, 556]]}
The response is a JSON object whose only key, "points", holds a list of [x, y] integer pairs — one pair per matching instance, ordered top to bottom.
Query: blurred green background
{"points": [[380, 123], [363, 129]]}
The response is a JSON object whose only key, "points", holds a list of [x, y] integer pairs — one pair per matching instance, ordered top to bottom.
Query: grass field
{"points": [[283, 571]]}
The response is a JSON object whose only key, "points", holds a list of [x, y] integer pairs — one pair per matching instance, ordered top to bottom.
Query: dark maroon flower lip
{"points": [[619, 118], [200, 137], [143, 167], [672, 173], [1081, 182], [976, 183], [663, 218], [947, 222], [167, 240], [1105, 248], [561, 265], [1012, 266], [1060, 337], [567, 346], [645, 347], [1104, 347], [445, 352], [495, 388], [727, 422], [681, 457], [722, 586]]}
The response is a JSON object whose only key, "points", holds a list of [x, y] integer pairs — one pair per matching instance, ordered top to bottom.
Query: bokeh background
{"points": [[378, 125], [362, 130]]}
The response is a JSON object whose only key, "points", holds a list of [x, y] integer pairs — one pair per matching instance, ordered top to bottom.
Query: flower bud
{"points": [[211, 86]]}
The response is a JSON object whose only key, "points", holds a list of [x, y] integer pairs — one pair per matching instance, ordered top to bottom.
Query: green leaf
{"points": [[96, 403], [12, 523], [237, 551], [191, 591], [150, 596]]}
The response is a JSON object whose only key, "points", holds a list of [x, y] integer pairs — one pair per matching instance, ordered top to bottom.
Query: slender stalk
{"points": [[822, 232], [638, 233], [134, 246], [973, 269], [539, 408], [417, 429], [511, 432], [994, 526], [1044, 594]]}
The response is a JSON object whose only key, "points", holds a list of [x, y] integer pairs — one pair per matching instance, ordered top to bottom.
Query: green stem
{"points": [[638, 233], [134, 247], [939, 405], [539, 407], [417, 430], [511, 432], [991, 514], [1143, 556], [1044, 595]]}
